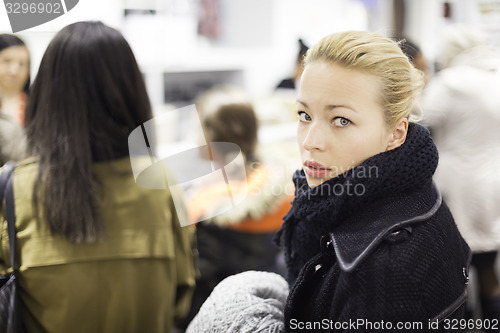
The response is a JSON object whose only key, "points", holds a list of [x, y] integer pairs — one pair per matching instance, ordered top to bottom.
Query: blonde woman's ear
{"points": [[398, 136]]}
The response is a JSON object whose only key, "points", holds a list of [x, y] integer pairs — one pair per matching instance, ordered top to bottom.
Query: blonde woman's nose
{"points": [[314, 138]]}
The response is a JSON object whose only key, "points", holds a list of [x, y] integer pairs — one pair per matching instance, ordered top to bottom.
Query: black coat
{"points": [[391, 256]]}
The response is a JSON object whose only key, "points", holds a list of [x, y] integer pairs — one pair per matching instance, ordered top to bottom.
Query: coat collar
{"points": [[384, 183], [360, 234]]}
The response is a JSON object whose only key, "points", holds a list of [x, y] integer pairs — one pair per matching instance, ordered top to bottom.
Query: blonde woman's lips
{"points": [[316, 170]]}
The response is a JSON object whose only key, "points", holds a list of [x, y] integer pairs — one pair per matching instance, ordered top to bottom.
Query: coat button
{"points": [[326, 242], [466, 275]]}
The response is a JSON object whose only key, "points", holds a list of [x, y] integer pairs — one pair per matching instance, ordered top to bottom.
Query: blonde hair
{"points": [[377, 55]]}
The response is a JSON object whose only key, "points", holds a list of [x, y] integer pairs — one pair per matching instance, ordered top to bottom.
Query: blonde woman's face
{"points": [[14, 68], [341, 122]]}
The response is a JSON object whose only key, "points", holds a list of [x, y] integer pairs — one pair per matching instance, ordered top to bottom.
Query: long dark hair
{"points": [[6, 41], [88, 96]]}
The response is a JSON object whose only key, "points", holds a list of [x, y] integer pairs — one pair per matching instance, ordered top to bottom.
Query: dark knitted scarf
{"points": [[316, 212]]}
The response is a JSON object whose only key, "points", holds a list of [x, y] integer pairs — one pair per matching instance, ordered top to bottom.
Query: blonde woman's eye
{"points": [[304, 117], [341, 122]]}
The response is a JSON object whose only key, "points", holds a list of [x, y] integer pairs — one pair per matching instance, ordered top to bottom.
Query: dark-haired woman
{"points": [[14, 76], [97, 253]]}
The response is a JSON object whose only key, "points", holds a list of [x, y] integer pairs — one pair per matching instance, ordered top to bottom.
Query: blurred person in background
{"points": [[414, 53], [14, 76], [291, 82], [462, 107], [12, 138], [240, 239], [98, 253]]}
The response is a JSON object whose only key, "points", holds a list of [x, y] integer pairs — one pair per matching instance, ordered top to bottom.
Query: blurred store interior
{"points": [[185, 47]]}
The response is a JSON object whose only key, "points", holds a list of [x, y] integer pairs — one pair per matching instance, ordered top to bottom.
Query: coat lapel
{"points": [[355, 238]]}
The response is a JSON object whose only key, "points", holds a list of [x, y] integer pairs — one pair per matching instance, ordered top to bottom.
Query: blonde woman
{"points": [[368, 239]]}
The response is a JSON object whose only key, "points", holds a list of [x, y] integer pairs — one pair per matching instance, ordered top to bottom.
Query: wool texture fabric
{"points": [[317, 211], [248, 302]]}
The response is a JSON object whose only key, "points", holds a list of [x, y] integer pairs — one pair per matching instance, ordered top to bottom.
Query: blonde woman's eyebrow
{"points": [[300, 102], [330, 107]]}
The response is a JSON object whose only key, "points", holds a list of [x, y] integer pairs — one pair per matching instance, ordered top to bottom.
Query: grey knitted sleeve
{"points": [[247, 302]]}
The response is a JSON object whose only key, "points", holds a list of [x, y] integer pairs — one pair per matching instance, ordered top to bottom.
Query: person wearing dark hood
{"points": [[291, 82]]}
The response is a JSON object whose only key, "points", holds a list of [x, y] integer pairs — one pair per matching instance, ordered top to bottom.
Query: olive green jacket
{"points": [[138, 279]]}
